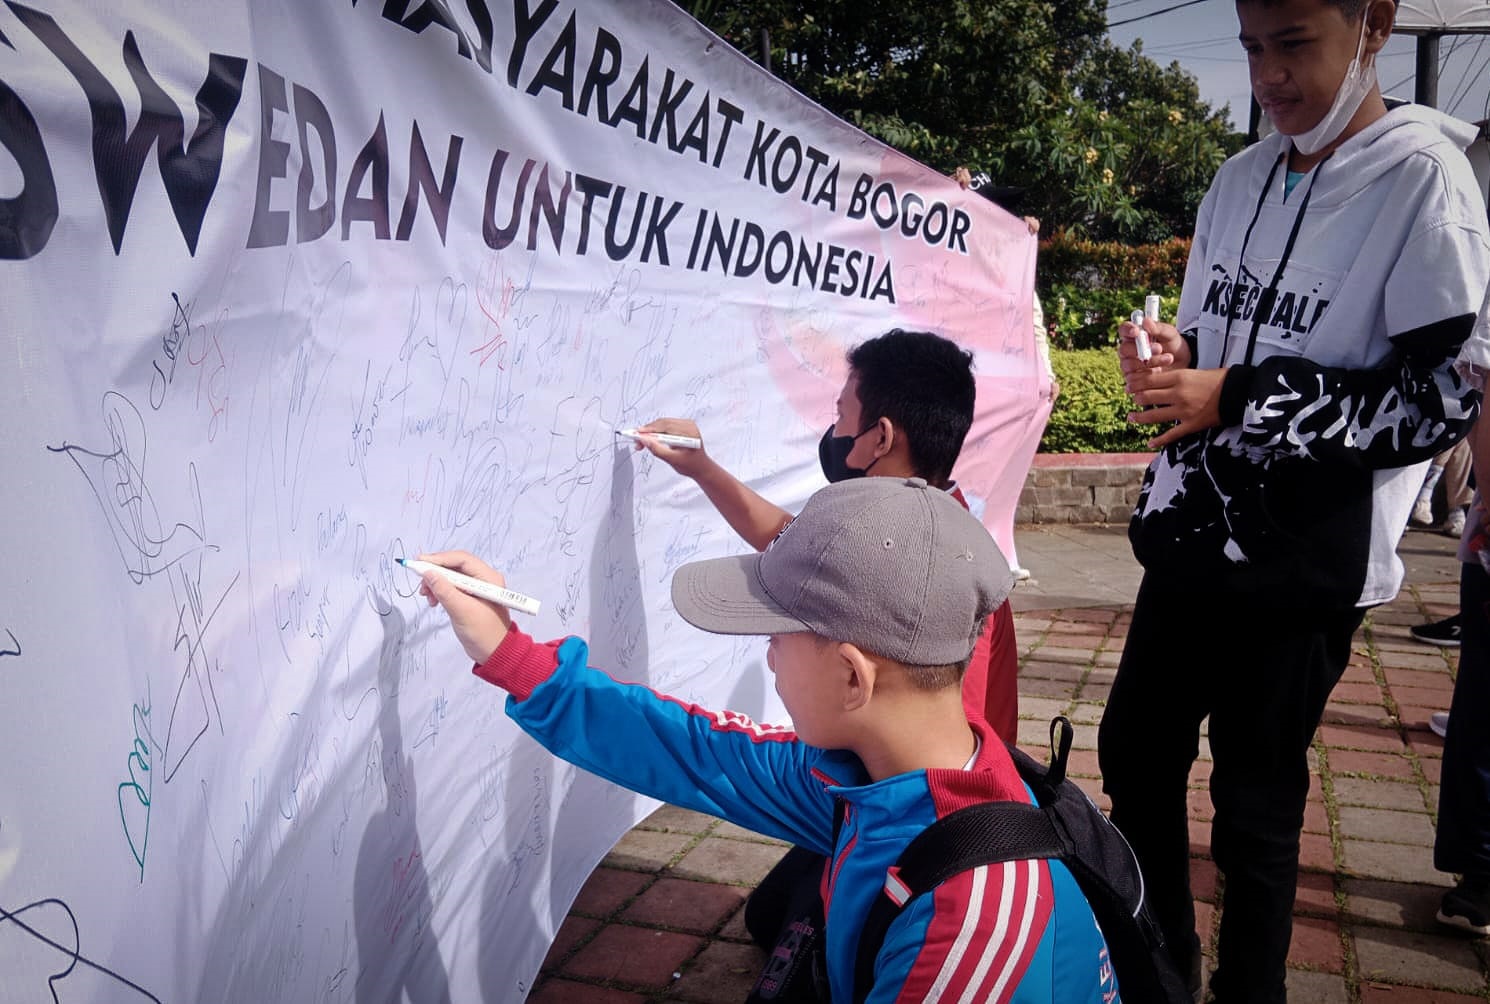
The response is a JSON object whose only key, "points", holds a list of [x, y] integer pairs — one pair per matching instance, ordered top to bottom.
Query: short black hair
{"points": [[1350, 8], [924, 384]]}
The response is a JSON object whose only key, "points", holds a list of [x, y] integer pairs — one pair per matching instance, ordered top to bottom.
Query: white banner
{"points": [[292, 290]]}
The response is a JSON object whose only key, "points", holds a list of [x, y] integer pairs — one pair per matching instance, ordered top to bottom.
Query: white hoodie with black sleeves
{"points": [[1339, 311]]}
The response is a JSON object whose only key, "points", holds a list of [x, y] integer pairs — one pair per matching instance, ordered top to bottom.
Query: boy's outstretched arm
{"points": [[754, 518], [722, 763]]}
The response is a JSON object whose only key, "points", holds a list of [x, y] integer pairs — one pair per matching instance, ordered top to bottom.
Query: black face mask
{"points": [[832, 453]]}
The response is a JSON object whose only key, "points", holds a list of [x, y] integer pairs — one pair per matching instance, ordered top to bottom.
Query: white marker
{"points": [[1141, 340], [665, 438], [476, 587]]}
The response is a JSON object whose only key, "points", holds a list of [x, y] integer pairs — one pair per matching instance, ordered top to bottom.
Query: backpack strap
{"points": [[984, 834]]}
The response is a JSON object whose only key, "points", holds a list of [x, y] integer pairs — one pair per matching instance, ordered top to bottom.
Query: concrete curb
{"points": [[1081, 488]]}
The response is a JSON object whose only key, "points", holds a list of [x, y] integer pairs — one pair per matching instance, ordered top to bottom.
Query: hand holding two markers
{"points": [[1169, 349], [1165, 386], [1191, 399], [685, 461], [479, 624]]}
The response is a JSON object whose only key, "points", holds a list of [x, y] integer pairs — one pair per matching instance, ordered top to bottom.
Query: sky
{"points": [[1203, 39]]}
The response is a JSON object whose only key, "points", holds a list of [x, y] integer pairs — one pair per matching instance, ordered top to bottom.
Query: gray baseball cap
{"points": [[895, 567]]}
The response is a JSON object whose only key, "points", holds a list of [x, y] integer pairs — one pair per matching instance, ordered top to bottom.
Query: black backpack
{"points": [[1065, 825]]}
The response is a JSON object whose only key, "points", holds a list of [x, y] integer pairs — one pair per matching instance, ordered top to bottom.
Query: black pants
{"points": [[1262, 673], [1463, 841]]}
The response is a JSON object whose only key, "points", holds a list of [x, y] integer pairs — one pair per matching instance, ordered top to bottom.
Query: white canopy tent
{"points": [[1443, 17], [1430, 20]]}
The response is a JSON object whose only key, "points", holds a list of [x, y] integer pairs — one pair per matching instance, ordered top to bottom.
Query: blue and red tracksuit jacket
{"points": [[1019, 931]]}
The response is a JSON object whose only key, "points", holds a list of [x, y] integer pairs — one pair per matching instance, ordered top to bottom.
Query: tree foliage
{"points": [[1105, 142]]}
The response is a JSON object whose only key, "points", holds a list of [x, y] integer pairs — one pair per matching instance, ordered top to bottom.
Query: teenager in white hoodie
{"points": [[1338, 268]]}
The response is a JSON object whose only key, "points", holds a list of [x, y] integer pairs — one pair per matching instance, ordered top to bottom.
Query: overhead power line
{"points": [[1156, 13]]}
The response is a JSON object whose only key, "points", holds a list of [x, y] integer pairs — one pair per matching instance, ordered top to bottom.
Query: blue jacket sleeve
{"points": [[719, 762]]}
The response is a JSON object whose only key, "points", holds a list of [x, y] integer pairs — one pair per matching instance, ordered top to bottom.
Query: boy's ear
{"points": [[1380, 16], [887, 437], [860, 674]]}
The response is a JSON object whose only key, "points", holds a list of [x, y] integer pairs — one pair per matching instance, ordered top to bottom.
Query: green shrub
{"points": [[1111, 265], [1082, 318], [1091, 413]]}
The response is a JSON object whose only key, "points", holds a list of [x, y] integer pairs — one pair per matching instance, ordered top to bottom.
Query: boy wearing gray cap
{"points": [[872, 599]]}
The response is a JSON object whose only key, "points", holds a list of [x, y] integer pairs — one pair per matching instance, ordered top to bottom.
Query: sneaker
{"points": [[1422, 513], [1453, 523], [1021, 574], [1444, 633], [1439, 723], [1467, 907]]}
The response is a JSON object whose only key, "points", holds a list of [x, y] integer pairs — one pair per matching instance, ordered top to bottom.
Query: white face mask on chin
{"points": [[1358, 82]]}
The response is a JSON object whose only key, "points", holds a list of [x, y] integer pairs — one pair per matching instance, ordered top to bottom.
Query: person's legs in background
{"points": [[1453, 467], [1457, 490], [1462, 843]]}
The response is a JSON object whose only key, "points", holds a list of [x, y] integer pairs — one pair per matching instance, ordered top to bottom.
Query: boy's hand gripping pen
{"points": [[665, 438], [476, 587]]}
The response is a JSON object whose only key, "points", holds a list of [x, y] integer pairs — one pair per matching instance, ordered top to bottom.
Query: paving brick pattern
{"points": [[660, 919]]}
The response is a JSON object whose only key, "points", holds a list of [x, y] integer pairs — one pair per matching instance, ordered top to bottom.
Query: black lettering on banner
{"points": [[435, 12], [525, 25], [604, 70], [557, 71], [633, 106], [667, 108], [311, 112], [732, 116], [755, 161], [189, 172], [422, 179], [591, 189], [370, 208], [552, 211], [26, 219], [657, 225], [270, 227], [497, 237], [614, 247], [745, 249]]}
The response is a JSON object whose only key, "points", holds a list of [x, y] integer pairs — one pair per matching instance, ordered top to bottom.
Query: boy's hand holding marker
{"points": [[1161, 382], [688, 460], [480, 624]]}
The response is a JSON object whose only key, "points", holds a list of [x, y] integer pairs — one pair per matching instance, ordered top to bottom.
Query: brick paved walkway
{"points": [[660, 919]]}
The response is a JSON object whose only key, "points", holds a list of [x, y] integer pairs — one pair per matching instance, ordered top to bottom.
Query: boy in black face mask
{"points": [[904, 411]]}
